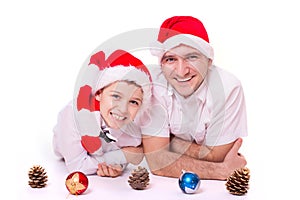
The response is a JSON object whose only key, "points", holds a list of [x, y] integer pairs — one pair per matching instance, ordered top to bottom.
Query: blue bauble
{"points": [[189, 182]]}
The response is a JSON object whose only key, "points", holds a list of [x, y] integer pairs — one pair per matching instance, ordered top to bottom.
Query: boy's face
{"points": [[185, 68], [119, 103]]}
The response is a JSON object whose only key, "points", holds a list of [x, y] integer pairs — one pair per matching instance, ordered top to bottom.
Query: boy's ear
{"points": [[98, 95]]}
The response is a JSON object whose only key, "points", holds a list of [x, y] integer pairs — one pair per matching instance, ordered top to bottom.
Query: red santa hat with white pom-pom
{"points": [[182, 30], [100, 72]]}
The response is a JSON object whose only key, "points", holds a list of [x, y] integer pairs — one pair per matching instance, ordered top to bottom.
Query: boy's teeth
{"points": [[117, 117]]}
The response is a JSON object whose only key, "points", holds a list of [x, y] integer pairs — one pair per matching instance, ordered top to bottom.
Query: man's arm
{"points": [[202, 152], [134, 155], [163, 162]]}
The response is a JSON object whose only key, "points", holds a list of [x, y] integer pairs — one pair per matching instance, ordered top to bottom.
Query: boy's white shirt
{"points": [[67, 143]]}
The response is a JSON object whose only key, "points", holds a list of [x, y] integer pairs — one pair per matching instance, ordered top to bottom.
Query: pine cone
{"points": [[37, 177], [139, 178], [238, 182]]}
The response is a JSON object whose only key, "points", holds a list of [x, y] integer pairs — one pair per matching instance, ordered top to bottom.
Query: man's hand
{"points": [[234, 160], [164, 162], [109, 170]]}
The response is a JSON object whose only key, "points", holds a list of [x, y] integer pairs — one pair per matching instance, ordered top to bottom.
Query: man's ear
{"points": [[210, 62]]}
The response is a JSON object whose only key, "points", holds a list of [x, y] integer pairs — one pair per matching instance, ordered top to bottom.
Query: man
{"points": [[198, 115]]}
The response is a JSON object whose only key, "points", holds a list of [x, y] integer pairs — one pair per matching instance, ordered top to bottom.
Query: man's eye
{"points": [[192, 57], [169, 60], [135, 102]]}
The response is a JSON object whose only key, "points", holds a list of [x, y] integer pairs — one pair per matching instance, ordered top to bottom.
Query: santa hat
{"points": [[182, 30], [119, 65], [100, 72]]}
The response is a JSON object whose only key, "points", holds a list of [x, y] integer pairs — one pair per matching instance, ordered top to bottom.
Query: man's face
{"points": [[185, 68]]}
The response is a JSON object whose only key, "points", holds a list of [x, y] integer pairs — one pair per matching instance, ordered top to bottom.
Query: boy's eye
{"points": [[115, 96], [134, 102]]}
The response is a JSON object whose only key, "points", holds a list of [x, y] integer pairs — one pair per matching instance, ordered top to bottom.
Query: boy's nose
{"points": [[123, 106]]}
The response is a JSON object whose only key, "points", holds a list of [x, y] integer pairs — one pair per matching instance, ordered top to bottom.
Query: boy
{"points": [[96, 133]]}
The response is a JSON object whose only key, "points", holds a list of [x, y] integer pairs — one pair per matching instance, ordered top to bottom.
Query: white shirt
{"points": [[215, 114], [67, 144]]}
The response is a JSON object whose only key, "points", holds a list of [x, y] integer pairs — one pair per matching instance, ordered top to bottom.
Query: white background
{"points": [[44, 43]]}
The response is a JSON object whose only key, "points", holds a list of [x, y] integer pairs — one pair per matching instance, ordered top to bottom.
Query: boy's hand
{"points": [[109, 170]]}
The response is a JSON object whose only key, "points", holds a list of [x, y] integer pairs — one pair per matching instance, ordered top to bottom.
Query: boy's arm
{"points": [[67, 144], [133, 155]]}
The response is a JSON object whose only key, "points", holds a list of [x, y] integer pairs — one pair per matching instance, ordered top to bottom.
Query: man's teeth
{"points": [[183, 80], [117, 117]]}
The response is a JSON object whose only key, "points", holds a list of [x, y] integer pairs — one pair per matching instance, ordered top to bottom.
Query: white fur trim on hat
{"points": [[158, 49], [119, 73], [129, 73]]}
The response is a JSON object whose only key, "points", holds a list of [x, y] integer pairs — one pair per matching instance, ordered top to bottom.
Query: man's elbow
{"points": [[138, 159], [156, 167], [157, 172]]}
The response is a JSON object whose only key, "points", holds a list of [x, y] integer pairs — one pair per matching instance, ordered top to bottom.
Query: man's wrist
{"points": [[221, 171]]}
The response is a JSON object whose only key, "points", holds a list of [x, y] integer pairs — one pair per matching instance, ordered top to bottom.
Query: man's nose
{"points": [[182, 68]]}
